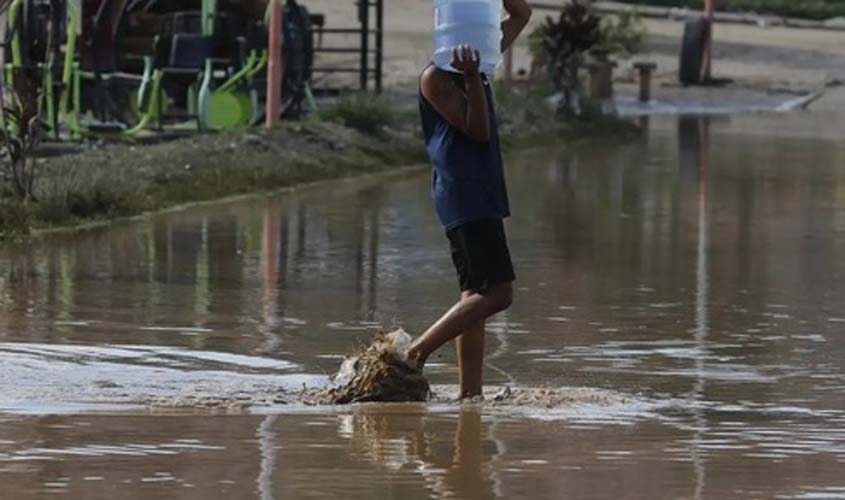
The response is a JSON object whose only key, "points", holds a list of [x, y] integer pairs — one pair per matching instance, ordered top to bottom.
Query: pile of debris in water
{"points": [[378, 372], [554, 397]]}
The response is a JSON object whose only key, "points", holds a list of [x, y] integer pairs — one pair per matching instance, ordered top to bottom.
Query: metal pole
{"points": [[209, 12], [364, 15], [379, 43], [708, 51], [274, 64]]}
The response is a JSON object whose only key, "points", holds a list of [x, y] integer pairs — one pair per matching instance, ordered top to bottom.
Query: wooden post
{"points": [[708, 50], [274, 64], [645, 70], [601, 80]]}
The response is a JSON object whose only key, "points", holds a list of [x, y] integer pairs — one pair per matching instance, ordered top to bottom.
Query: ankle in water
{"points": [[414, 359]]}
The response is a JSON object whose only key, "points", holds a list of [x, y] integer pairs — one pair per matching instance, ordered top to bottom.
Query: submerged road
{"points": [[680, 298]]}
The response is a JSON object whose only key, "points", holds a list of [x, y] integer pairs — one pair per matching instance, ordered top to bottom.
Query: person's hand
{"points": [[466, 60]]}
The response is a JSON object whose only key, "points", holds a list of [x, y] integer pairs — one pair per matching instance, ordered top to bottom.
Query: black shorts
{"points": [[480, 254]]}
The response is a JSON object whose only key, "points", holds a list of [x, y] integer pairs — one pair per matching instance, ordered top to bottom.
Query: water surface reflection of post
{"points": [[695, 132], [375, 229], [367, 236], [270, 256], [702, 323], [267, 447]]}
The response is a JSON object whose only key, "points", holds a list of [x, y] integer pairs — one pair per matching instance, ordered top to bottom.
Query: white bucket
{"points": [[477, 23]]}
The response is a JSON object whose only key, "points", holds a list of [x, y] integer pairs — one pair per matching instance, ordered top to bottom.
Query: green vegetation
{"points": [[804, 9], [623, 35], [560, 47], [367, 113], [527, 118], [20, 133], [121, 180], [15, 219]]}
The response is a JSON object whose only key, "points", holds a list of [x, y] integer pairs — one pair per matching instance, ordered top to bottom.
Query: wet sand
{"points": [[759, 59]]}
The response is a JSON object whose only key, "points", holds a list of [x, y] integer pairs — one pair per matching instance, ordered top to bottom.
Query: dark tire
{"points": [[33, 36], [692, 51], [298, 58]]}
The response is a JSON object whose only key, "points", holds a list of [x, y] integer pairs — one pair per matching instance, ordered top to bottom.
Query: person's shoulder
{"points": [[433, 74], [436, 83]]}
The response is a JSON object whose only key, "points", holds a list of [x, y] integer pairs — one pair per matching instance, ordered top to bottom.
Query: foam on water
{"points": [[49, 379], [73, 379], [579, 404]]}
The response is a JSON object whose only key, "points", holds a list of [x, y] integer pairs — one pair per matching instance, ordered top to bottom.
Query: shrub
{"points": [[622, 35], [560, 47], [367, 113], [20, 131], [15, 219]]}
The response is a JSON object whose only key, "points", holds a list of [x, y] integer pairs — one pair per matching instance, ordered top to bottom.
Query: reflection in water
{"points": [[701, 131], [271, 260], [267, 443], [467, 471]]}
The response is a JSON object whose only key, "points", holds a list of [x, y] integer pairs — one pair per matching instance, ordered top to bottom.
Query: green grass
{"points": [[804, 9], [367, 113], [79, 193], [15, 220]]}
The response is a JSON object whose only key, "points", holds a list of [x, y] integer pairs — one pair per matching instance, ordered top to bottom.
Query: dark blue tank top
{"points": [[468, 181]]}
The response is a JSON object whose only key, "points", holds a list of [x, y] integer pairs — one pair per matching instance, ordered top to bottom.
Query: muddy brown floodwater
{"points": [[680, 300]]}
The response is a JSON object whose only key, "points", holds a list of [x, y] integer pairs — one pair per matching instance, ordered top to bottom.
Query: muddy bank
{"points": [[122, 180], [115, 181]]}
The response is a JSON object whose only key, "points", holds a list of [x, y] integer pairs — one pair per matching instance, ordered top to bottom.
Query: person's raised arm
{"points": [[519, 13], [464, 108]]}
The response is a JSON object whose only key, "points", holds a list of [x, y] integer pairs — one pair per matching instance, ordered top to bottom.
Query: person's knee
{"points": [[502, 297], [507, 299]]}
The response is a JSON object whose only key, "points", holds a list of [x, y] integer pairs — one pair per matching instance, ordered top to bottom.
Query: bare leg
{"points": [[471, 310], [470, 347]]}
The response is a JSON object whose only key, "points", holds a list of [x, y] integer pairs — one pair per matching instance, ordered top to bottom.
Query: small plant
{"points": [[622, 35], [560, 47], [367, 113], [20, 132], [15, 219]]}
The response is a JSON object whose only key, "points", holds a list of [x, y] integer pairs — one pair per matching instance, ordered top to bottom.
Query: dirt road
{"points": [[774, 58]]}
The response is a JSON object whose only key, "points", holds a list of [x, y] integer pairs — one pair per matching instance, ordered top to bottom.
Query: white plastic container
{"points": [[477, 23]]}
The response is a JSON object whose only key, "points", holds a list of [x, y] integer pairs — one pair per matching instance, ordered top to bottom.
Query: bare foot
{"points": [[413, 359]]}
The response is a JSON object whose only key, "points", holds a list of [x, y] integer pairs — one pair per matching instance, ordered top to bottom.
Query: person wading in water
{"points": [[470, 197]]}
